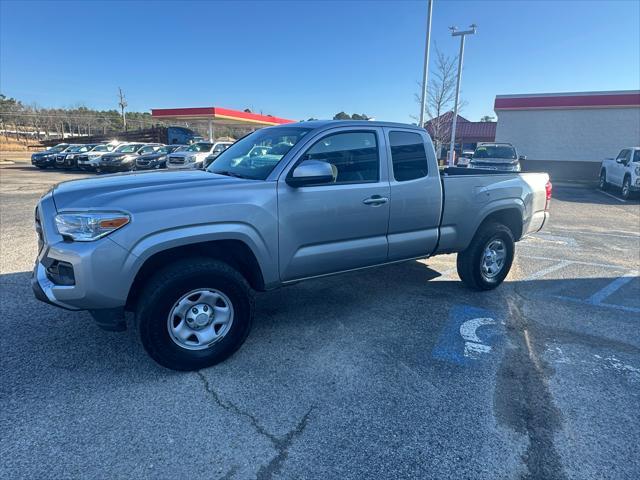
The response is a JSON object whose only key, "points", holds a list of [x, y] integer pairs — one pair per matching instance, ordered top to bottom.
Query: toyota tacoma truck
{"points": [[186, 250]]}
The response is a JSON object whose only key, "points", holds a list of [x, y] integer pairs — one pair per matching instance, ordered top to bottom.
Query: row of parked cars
{"points": [[124, 157]]}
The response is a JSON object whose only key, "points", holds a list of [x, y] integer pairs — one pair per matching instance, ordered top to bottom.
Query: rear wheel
{"points": [[603, 181], [626, 187], [487, 261], [194, 313]]}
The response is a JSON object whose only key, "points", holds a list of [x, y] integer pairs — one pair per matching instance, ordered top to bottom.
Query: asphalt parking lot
{"points": [[396, 372]]}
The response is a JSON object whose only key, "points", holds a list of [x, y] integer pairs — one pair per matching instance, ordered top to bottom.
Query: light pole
{"points": [[462, 34], [425, 72]]}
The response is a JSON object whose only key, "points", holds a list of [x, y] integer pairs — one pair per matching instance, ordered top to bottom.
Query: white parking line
{"points": [[612, 196], [622, 233], [578, 262], [545, 271], [600, 295]]}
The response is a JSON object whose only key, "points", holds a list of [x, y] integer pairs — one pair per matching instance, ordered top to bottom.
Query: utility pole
{"points": [[462, 34], [425, 71], [123, 104]]}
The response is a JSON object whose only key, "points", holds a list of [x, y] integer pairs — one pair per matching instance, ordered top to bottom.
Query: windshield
{"points": [[199, 147], [102, 148], [128, 148], [57, 149], [495, 151], [256, 155]]}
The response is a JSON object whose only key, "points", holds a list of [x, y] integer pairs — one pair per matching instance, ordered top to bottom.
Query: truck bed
{"points": [[471, 194]]}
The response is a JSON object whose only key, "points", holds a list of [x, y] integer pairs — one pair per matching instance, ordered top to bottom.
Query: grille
{"points": [[176, 160]]}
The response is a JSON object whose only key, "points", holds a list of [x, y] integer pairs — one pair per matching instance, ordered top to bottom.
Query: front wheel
{"points": [[603, 181], [626, 188], [487, 261], [194, 314]]}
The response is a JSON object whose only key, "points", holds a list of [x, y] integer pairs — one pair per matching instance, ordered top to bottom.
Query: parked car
{"points": [[218, 148], [496, 156], [191, 157], [47, 158], [69, 158], [123, 158], [464, 158], [157, 159], [89, 160], [623, 172], [185, 250]]}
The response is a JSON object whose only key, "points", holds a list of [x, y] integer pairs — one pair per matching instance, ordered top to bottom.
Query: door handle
{"points": [[375, 200]]}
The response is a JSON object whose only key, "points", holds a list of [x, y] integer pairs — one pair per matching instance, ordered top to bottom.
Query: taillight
{"points": [[548, 188]]}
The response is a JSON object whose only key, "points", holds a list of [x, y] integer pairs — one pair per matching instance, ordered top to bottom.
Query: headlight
{"points": [[191, 158], [638, 170], [89, 226]]}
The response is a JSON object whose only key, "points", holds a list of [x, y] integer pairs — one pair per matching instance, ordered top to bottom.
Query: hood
{"points": [[506, 161], [137, 191]]}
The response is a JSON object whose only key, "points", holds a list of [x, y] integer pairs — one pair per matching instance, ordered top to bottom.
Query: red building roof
{"points": [[628, 98], [218, 114], [466, 131]]}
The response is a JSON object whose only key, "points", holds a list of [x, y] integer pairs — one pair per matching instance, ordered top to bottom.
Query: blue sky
{"points": [[308, 59]]}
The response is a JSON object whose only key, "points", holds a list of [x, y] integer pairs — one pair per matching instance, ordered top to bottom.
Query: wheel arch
{"points": [[236, 253]]}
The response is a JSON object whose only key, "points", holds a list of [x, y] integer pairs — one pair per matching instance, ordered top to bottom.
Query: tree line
{"points": [[22, 121]]}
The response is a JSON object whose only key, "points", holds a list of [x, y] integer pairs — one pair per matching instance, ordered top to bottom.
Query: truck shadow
{"points": [[591, 194], [371, 306]]}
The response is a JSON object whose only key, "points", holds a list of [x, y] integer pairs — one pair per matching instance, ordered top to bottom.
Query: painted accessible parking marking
{"points": [[470, 335]]}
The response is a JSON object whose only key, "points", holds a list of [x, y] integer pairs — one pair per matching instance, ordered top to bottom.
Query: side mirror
{"points": [[522, 157], [619, 160], [312, 172]]}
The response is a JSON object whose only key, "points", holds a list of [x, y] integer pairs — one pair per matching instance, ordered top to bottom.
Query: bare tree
{"points": [[440, 98], [123, 104]]}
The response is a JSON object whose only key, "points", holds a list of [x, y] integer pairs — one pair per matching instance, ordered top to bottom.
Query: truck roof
{"points": [[348, 123]]}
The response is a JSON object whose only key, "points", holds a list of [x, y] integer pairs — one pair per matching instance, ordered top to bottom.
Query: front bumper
{"points": [[43, 162], [113, 168], [101, 282]]}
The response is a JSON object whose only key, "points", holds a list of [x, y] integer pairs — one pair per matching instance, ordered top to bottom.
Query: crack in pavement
{"points": [[523, 400], [281, 444]]}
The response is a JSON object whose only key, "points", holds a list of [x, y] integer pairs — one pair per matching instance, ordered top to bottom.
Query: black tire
{"points": [[41, 167], [603, 185], [626, 188], [469, 262], [164, 289]]}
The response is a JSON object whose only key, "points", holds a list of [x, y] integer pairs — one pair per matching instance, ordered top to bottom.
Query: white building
{"points": [[568, 134]]}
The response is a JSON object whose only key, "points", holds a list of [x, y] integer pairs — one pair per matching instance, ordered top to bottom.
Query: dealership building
{"points": [[569, 134]]}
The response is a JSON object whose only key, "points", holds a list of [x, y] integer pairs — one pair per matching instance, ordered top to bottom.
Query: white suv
{"points": [[193, 156], [623, 172]]}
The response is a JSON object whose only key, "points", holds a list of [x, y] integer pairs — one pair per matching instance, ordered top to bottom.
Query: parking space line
{"points": [[612, 196], [622, 234], [578, 262], [545, 271], [618, 283], [604, 305]]}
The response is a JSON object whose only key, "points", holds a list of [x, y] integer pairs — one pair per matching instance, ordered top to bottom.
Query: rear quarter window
{"points": [[408, 156]]}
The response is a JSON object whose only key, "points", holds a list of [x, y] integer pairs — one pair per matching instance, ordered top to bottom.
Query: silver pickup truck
{"points": [[185, 250]]}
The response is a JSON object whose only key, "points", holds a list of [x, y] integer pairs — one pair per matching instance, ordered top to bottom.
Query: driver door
{"points": [[617, 170], [337, 226]]}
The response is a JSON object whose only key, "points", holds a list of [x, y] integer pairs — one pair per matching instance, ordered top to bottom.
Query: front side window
{"points": [[148, 149], [256, 155], [622, 155], [354, 156], [408, 156], [636, 156]]}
